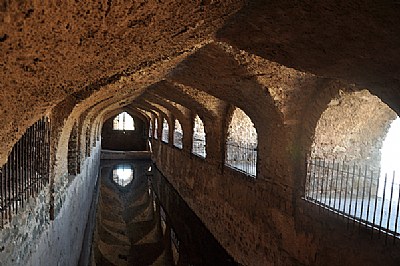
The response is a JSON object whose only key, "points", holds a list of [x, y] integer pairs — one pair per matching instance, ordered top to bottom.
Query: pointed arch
{"points": [[123, 121], [165, 131], [178, 134], [199, 138], [241, 143]]}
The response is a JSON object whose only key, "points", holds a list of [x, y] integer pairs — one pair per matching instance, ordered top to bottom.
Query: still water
{"points": [[142, 220]]}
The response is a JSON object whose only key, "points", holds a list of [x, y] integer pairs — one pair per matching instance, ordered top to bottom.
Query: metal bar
{"points": [[36, 139], [47, 150], [42, 153], [22, 154], [39, 155], [31, 159], [34, 167], [308, 171], [5, 176], [17, 176], [9, 177], [13, 179], [318, 179], [314, 180], [326, 183], [331, 183], [336, 185], [341, 188], [352, 188], [358, 188], [345, 189], [369, 194], [363, 195], [2, 197], [376, 201], [383, 204], [390, 207], [396, 229]]}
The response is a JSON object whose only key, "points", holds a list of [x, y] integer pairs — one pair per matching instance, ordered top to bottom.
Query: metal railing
{"points": [[165, 135], [178, 139], [199, 147], [242, 157], [26, 171], [369, 198]]}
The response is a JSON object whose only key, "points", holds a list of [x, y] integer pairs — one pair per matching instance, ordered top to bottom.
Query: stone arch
{"points": [[131, 111], [352, 128], [165, 130], [178, 134], [124, 140], [241, 142], [199, 144], [345, 156]]}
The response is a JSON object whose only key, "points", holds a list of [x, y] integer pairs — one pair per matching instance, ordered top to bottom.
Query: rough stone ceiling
{"points": [[356, 40], [115, 49]]}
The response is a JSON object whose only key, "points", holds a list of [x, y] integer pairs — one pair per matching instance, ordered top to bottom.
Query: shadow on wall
{"points": [[295, 35], [123, 139]]}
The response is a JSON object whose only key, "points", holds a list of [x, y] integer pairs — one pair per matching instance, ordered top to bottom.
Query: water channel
{"points": [[142, 220]]}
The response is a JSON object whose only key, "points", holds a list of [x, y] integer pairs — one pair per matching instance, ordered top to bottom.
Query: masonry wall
{"points": [[124, 140], [261, 222], [34, 239]]}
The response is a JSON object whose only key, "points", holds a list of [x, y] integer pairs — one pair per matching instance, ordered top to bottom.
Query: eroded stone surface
{"points": [[280, 62]]}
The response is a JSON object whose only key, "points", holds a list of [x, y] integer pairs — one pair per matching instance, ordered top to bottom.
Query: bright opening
{"points": [[123, 121], [156, 129], [150, 130], [165, 131], [178, 135], [199, 138], [241, 144], [390, 156], [343, 173], [123, 174]]}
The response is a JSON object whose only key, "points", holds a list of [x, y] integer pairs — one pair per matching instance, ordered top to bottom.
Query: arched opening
{"points": [[123, 121], [156, 128], [150, 129], [165, 131], [178, 135], [199, 138], [124, 139], [241, 144], [343, 171], [389, 179]]}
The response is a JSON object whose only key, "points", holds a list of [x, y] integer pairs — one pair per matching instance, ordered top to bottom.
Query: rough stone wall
{"points": [[86, 59], [353, 128], [124, 140], [254, 221], [261, 221], [34, 238]]}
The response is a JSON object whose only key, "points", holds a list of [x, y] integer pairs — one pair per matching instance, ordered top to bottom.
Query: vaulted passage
{"points": [[267, 121]]}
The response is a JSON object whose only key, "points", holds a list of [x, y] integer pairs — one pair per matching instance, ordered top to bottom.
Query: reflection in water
{"points": [[123, 174], [147, 223]]}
